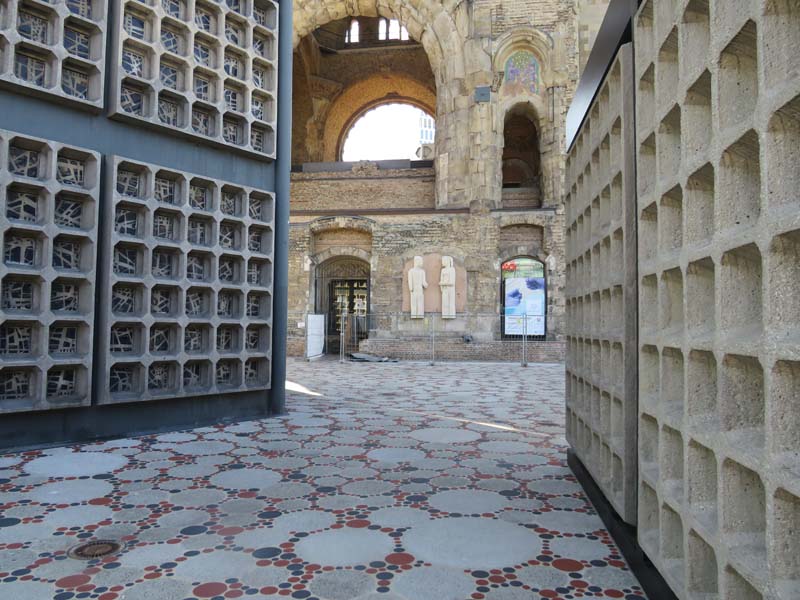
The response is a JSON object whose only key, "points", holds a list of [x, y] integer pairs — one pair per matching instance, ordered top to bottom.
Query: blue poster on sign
{"points": [[525, 301]]}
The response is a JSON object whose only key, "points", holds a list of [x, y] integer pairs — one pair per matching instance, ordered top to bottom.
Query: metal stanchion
{"points": [[343, 328], [433, 340], [525, 340]]}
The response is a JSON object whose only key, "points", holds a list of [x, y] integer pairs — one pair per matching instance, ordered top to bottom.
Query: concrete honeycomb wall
{"points": [[55, 48], [206, 69], [718, 132], [49, 194], [600, 207], [186, 287]]}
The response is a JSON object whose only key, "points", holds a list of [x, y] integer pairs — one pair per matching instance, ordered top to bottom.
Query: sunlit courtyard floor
{"points": [[385, 481]]}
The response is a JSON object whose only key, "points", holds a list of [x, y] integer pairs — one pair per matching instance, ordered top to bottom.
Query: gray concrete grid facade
{"points": [[717, 95], [43, 118], [601, 296]]}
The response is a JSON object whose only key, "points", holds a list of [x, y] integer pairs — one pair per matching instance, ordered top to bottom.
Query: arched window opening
{"points": [[394, 29], [353, 32], [388, 132], [521, 161], [524, 293]]}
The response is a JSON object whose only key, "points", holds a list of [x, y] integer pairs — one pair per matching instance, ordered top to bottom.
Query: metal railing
{"points": [[432, 339]]}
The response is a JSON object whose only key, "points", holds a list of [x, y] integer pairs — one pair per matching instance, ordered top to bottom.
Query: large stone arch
{"points": [[442, 29], [364, 95]]}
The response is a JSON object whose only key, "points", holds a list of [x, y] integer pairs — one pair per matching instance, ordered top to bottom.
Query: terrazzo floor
{"points": [[388, 481]]}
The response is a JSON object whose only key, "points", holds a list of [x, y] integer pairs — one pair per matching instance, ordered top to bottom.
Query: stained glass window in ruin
{"points": [[25, 162], [70, 171]]}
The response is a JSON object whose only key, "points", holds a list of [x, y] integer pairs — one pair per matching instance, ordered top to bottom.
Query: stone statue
{"points": [[447, 282], [417, 284]]}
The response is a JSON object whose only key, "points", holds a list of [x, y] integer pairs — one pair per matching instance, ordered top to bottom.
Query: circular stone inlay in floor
{"points": [[445, 435], [395, 455], [75, 464], [245, 479], [67, 492], [468, 502], [472, 543], [344, 547]]}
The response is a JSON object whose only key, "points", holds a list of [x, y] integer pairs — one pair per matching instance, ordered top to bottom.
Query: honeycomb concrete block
{"points": [[55, 48], [200, 68], [718, 128], [50, 195], [186, 284], [601, 291]]}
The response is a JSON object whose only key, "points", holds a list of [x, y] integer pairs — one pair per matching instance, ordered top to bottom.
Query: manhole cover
{"points": [[94, 549]]}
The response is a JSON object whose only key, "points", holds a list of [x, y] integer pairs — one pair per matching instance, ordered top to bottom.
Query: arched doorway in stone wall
{"points": [[342, 288]]}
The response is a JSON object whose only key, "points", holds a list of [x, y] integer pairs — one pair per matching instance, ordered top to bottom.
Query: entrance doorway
{"points": [[342, 288]]}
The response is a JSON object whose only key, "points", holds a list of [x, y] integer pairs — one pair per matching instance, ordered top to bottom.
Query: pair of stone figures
{"points": [[418, 283]]}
